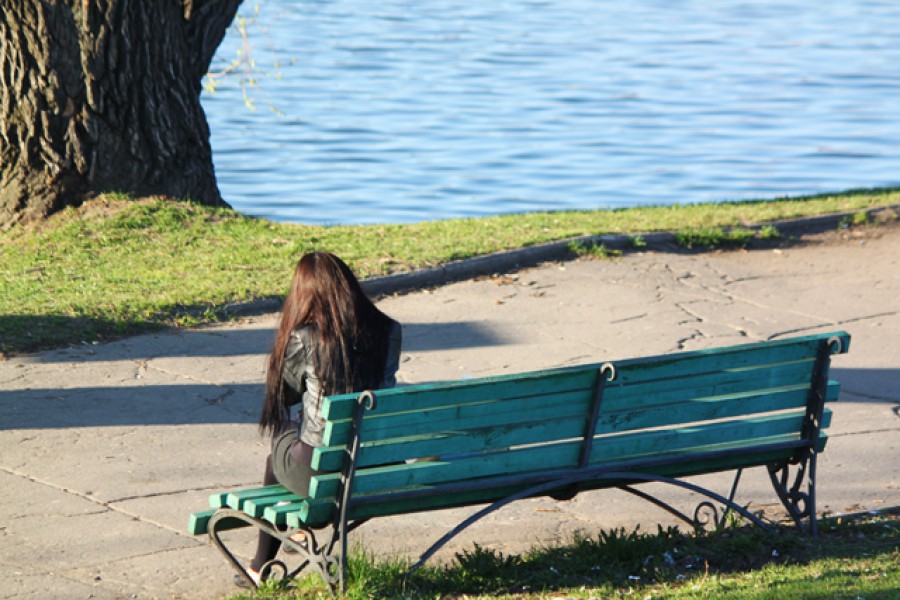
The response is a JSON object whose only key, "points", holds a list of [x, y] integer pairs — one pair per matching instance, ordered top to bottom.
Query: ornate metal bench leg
{"points": [[574, 479], [800, 504], [704, 513], [214, 535], [312, 555]]}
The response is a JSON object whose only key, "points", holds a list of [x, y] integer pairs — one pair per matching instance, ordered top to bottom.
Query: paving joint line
{"points": [[829, 323], [106, 504]]}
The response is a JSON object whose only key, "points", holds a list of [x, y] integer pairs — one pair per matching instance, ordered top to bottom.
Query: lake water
{"points": [[408, 110]]}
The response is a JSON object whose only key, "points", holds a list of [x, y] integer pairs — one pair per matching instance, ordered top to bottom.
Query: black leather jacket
{"points": [[299, 373]]}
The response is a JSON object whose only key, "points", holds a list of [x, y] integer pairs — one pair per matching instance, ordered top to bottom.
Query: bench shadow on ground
{"points": [[194, 399]]}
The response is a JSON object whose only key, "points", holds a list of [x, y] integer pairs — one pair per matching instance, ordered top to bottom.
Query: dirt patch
{"points": [[101, 207], [884, 222]]}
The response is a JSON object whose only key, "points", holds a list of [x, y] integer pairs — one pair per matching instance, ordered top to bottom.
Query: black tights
{"points": [[292, 459], [266, 546]]}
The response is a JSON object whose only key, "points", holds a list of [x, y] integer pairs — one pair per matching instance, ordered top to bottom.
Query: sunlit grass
{"points": [[118, 266], [852, 558]]}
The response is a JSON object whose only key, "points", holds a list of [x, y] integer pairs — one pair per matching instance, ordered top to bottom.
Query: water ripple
{"points": [[402, 111]]}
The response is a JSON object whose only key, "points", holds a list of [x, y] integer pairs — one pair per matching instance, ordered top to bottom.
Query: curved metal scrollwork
{"points": [[835, 344], [609, 370], [367, 400], [566, 480], [799, 504], [705, 513], [307, 548], [268, 571]]}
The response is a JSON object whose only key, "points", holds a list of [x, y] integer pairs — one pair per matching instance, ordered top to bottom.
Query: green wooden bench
{"points": [[492, 441]]}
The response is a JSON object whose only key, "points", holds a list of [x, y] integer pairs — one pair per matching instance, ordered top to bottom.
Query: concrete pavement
{"points": [[106, 449]]}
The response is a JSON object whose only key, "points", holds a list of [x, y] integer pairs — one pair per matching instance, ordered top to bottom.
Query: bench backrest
{"points": [[461, 442]]}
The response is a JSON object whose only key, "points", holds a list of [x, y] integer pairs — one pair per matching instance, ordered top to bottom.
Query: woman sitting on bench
{"points": [[331, 339]]}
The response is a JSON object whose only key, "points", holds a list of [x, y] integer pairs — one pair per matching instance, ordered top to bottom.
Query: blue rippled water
{"points": [[409, 110]]}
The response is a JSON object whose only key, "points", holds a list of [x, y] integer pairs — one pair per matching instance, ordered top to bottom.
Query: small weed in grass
{"points": [[857, 219], [769, 232], [713, 238], [637, 242], [593, 250]]}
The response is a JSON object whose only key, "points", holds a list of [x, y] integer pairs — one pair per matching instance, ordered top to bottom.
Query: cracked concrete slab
{"points": [[106, 449], [111, 463], [164, 574], [32, 582]]}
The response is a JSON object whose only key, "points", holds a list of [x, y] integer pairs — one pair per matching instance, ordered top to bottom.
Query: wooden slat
{"points": [[675, 366], [680, 366], [718, 383], [450, 393], [532, 407], [707, 409], [507, 412], [546, 428], [473, 440], [684, 440], [563, 455], [237, 498], [218, 500], [256, 507], [318, 512], [277, 515], [199, 522]]}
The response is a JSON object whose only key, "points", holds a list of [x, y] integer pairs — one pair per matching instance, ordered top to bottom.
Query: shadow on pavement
{"points": [[212, 343], [868, 385], [204, 403], [60, 408]]}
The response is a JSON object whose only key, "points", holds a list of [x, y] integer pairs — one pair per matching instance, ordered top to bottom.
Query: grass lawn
{"points": [[118, 266], [853, 557]]}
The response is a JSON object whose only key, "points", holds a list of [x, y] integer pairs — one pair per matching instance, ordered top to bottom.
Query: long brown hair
{"points": [[350, 334]]}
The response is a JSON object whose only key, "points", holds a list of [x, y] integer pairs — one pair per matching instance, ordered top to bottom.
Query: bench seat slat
{"points": [[562, 455], [238, 498], [218, 500], [259, 502], [256, 507], [277, 515], [199, 522]]}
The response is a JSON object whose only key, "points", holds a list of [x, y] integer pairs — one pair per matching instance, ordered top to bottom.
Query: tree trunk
{"points": [[104, 96]]}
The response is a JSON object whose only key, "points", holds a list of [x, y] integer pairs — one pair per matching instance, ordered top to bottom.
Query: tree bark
{"points": [[104, 96]]}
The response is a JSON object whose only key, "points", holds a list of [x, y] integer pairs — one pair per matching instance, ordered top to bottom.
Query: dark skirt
{"points": [[291, 460]]}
